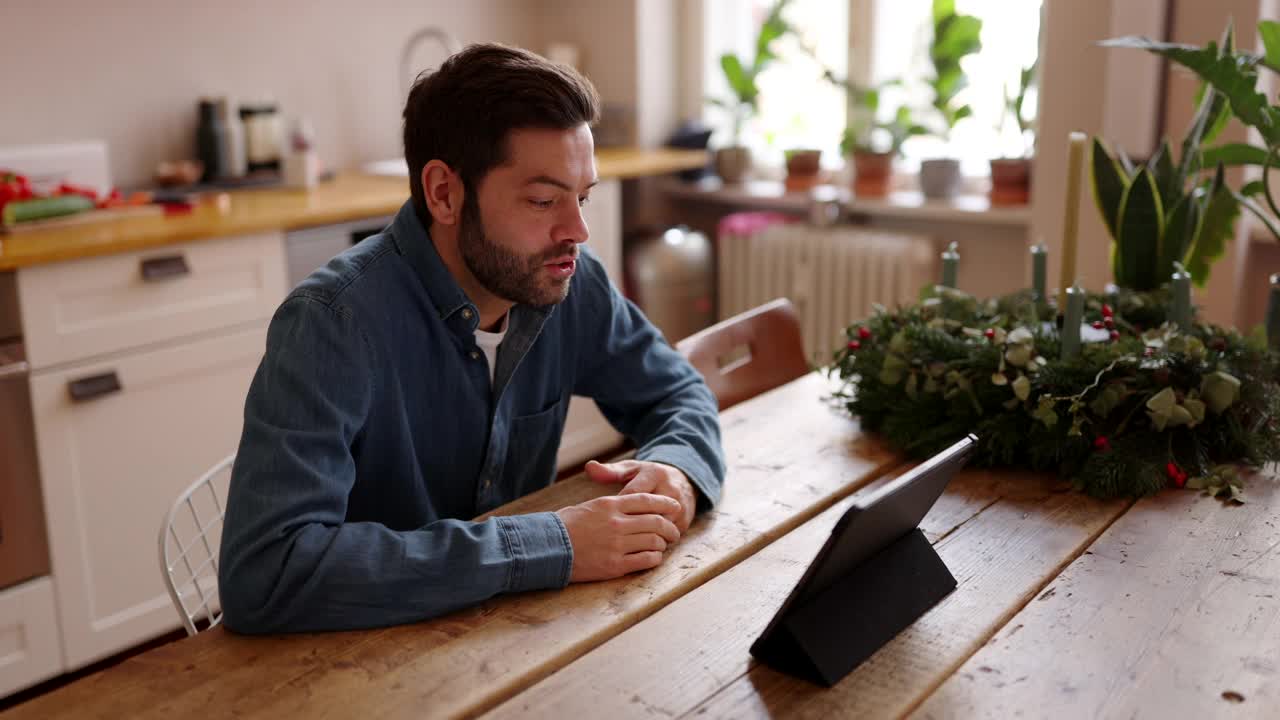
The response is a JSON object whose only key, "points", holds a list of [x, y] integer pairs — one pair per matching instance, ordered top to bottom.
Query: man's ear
{"points": [[443, 191]]}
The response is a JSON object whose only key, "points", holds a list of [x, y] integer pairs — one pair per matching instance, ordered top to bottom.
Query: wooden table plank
{"points": [[790, 458], [1001, 557], [1174, 612], [716, 624]]}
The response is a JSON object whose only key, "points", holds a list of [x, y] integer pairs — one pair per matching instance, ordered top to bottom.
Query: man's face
{"points": [[520, 230]]}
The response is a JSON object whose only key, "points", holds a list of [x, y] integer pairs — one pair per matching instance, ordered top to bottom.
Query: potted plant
{"points": [[954, 37], [1232, 77], [871, 144], [734, 161], [804, 169], [1011, 176], [1164, 212]]}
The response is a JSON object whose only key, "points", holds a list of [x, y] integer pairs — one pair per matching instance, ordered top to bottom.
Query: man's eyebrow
{"points": [[548, 180]]}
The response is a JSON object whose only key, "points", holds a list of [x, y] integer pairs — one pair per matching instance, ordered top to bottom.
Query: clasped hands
{"points": [[628, 532]]}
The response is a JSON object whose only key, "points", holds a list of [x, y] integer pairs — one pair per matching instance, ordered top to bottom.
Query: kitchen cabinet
{"points": [[138, 367], [587, 433], [112, 464], [29, 651]]}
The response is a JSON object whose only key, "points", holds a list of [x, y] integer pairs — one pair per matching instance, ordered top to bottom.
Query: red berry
{"points": [[1107, 311], [1109, 321], [1097, 325], [864, 333], [990, 333], [1115, 335], [855, 345], [1149, 352], [1101, 444], [1172, 471], [1181, 480]]}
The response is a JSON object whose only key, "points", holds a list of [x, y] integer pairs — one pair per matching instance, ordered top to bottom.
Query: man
{"points": [[422, 378]]}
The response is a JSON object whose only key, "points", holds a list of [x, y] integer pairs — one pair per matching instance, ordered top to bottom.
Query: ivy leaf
{"points": [[893, 369], [999, 379], [912, 388], [1022, 388], [1220, 390], [1105, 402], [1160, 407], [1195, 408], [1197, 483]]}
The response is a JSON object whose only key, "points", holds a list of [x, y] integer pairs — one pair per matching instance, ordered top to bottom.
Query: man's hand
{"points": [[650, 477], [618, 534]]}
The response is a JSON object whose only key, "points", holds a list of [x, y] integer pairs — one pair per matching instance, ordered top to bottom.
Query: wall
{"points": [[1197, 23], [1071, 66], [130, 72]]}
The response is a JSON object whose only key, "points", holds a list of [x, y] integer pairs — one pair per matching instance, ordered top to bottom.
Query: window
{"points": [[1010, 42], [800, 109]]}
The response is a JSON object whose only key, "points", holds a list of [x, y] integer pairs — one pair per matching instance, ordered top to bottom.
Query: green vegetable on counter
{"points": [[20, 211]]}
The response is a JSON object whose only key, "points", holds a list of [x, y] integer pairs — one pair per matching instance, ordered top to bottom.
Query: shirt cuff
{"points": [[687, 461], [540, 552]]}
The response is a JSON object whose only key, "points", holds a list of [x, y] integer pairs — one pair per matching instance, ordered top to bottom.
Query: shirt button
{"points": [[466, 313], [475, 354]]}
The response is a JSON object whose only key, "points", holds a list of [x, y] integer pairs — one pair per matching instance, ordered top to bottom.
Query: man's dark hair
{"points": [[462, 113]]}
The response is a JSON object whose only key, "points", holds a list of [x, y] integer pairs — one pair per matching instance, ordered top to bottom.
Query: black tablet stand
{"points": [[826, 637]]}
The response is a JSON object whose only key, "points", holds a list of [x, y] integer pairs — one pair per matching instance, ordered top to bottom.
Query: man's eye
{"points": [[582, 201], [543, 204]]}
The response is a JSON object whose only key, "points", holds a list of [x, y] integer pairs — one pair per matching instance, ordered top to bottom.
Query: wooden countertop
{"points": [[350, 196]]}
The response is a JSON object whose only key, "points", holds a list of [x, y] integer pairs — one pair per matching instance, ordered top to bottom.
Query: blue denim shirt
{"points": [[372, 433]]}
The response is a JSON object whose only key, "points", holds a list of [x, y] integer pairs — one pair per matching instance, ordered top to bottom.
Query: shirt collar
{"points": [[413, 242]]}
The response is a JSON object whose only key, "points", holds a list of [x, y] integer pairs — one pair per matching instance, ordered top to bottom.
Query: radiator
{"points": [[834, 275]]}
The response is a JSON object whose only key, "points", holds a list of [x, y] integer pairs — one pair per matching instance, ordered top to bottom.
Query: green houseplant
{"points": [[955, 36], [1234, 74], [872, 144], [734, 161], [1011, 176], [1166, 211]]}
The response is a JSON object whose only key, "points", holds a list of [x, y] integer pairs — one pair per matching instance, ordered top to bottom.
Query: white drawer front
{"points": [[77, 310], [113, 463], [29, 651]]}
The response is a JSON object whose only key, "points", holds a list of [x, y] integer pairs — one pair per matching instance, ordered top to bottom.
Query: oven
{"points": [[310, 248]]}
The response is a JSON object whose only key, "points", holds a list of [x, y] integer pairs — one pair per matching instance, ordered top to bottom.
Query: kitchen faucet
{"points": [[440, 35]]}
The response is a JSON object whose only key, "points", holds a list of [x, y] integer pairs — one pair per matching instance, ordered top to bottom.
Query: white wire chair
{"points": [[195, 593]]}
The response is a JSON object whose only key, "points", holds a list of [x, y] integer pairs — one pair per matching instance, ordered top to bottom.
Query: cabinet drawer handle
{"points": [[163, 268], [94, 386]]}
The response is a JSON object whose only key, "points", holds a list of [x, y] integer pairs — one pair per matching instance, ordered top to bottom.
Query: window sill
{"points": [[905, 204]]}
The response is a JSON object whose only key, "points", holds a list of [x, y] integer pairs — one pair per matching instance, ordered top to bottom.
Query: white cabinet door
{"points": [[75, 310], [586, 433], [112, 463], [29, 649]]}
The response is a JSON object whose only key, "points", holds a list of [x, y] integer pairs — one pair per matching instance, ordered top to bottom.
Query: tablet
{"points": [[874, 523]]}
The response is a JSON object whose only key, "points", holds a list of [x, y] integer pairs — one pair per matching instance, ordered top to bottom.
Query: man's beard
{"points": [[504, 273]]}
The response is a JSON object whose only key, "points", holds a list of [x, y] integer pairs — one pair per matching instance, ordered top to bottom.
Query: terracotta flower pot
{"points": [[733, 164], [804, 169], [871, 173], [940, 178], [1010, 181]]}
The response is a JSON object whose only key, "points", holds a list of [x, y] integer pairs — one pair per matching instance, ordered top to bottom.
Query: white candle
{"points": [[1075, 163]]}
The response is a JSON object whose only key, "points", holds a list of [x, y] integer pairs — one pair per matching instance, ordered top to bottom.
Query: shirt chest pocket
{"points": [[531, 456]]}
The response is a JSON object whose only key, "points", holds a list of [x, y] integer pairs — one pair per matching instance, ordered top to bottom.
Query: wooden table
{"points": [[1066, 607]]}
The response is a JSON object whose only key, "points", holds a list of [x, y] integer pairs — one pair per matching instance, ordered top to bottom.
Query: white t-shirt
{"points": [[489, 342]]}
